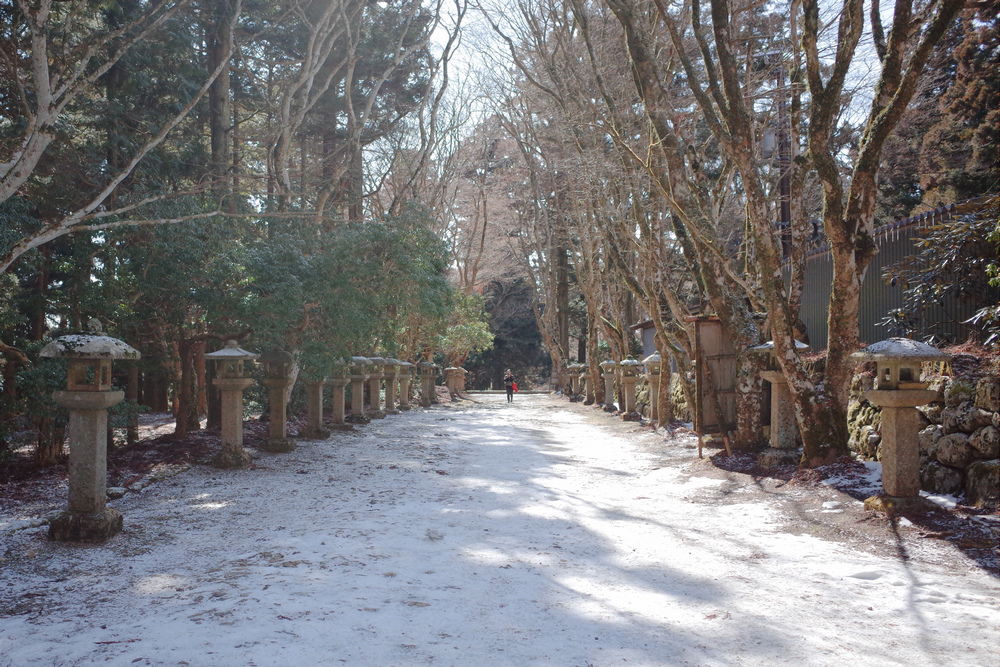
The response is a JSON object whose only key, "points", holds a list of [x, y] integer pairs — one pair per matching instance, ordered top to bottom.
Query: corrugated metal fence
{"points": [[894, 242]]}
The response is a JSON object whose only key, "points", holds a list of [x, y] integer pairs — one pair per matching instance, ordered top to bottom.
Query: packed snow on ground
{"points": [[479, 533]]}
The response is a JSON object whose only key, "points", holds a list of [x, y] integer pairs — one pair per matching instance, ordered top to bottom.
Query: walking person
{"points": [[508, 383]]}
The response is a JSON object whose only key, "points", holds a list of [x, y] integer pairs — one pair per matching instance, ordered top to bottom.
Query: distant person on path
{"points": [[508, 383]]}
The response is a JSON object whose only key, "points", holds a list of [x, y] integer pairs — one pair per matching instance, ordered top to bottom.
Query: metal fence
{"points": [[894, 242]]}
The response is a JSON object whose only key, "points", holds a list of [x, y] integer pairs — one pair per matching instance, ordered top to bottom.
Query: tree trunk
{"points": [[219, 40], [132, 395], [49, 446]]}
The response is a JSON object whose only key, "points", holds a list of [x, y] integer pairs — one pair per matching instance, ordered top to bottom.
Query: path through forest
{"points": [[477, 533]]}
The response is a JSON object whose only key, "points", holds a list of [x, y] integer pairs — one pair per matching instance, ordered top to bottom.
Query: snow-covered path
{"points": [[478, 534]]}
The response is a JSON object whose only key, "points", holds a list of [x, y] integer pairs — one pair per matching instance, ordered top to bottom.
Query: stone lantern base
{"points": [[278, 445], [773, 456], [232, 458], [895, 505], [86, 526]]}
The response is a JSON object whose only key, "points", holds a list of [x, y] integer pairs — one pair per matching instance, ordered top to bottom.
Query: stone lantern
{"points": [[652, 364], [630, 369], [406, 370], [573, 370], [359, 373], [428, 373], [608, 373], [375, 375], [339, 377], [231, 379], [277, 379], [454, 379], [587, 384], [898, 391], [87, 396], [784, 438]]}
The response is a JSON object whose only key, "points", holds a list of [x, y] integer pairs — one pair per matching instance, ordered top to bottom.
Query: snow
{"points": [[943, 499], [479, 533]]}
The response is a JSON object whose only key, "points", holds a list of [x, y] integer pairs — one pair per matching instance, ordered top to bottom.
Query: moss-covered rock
{"points": [[958, 390], [642, 392], [988, 393], [681, 410], [932, 412], [965, 418], [928, 439], [986, 441], [954, 450], [938, 478], [982, 484]]}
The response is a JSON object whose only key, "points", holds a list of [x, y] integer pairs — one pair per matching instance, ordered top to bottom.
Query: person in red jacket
{"points": [[508, 383]]}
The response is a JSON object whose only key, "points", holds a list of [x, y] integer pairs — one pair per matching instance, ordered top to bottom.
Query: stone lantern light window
{"points": [[230, 360], [652, 363], [277, 364]]}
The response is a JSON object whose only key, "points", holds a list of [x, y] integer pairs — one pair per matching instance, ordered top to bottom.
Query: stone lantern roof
{"points": [[92, 344], [769, 346], [900, 349], [231, 352], [653, 363], [629, 366]]}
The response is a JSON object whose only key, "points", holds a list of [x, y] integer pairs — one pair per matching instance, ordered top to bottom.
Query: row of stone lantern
{"points": [[630, 370], [89, 394]]}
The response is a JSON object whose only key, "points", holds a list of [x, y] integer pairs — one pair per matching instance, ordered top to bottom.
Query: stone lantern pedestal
{"points": [[652, 364], [277, 368], [435, 372], [573, 372], [428, 373], [608, 373], [359, 374], [375, 375], [630, 375], [405, 376], [391, 377], [231, 382], [338, 382], [587, 385], [898, 392], [87, 396], [337, 396], [277, 426], [315, 430], [784, 438], [232, 455], [88, 518]]}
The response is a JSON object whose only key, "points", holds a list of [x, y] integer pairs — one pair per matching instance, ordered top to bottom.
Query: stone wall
{"points": [[642, 392], [960, 440]]}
